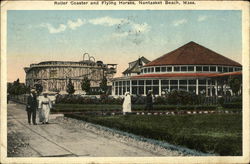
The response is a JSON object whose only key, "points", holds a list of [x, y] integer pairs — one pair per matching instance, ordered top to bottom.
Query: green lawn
{"points": [[212, 133]]}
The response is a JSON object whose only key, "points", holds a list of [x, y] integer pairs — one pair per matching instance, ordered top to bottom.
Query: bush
{"points": [[180, 97], [232, 105]]}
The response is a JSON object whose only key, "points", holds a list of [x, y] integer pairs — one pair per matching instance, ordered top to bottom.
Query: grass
{"points": [[216, 133]]}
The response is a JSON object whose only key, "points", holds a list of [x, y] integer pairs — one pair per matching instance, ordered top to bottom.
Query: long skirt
{"points": [[44, 113]]}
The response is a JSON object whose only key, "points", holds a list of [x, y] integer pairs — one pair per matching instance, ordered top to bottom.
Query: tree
{"points": [[235, 84], [86, 85], [103, 85], [70, 87], [16, 88], [39, 88]]}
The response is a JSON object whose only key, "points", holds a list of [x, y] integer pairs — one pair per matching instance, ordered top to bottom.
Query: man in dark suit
{"points": [[149, 101], [32, 106]]}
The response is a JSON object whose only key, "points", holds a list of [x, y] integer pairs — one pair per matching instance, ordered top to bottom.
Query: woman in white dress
{"points": [[45, 106], [126, 107]]}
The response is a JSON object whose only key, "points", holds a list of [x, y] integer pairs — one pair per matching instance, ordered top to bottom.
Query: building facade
{"points": [[192, 68], [54, 75]]}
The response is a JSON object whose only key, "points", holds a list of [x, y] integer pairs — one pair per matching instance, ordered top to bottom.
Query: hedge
{"points": [[114, 107]]}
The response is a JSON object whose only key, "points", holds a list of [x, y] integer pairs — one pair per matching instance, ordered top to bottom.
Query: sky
{"points": [[115, 36]]}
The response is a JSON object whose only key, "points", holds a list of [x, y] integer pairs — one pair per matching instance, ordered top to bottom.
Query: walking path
{"points": [[65, 138]]}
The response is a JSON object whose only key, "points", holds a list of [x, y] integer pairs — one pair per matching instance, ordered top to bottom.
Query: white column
{"points": [[130, 86], [122, 87], [159, 87], [197, 87], [206, 87], [144, 88], [211, 88], [216, 88]]}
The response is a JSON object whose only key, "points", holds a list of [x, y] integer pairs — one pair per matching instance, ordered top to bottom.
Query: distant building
{"points": [[135, 67], [192, 67], [54, 75]]}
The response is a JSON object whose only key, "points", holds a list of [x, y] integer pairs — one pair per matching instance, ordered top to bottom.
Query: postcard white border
{"points": [[200, 5]]}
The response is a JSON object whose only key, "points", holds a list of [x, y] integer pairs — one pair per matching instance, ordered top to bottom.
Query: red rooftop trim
{"points": [[227, 74]]}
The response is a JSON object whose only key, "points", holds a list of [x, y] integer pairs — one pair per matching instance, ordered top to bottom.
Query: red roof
{"points": [[193, 54], [227, 74], [186, 75]]}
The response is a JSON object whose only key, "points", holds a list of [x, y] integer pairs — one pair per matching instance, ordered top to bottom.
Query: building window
{"points": [[183, 68], [190, 68], [198, 68], [205, 68], [238, 68], [152, 69], [157, 69], [163, 69], [169, 69], [176, 69], [212, 69], [219, 69], [225, 69], [230, 69], [145, 70], [149, 70], [134, 82], [141, 82], [148, 82], [155, 82], [164, 82], [174, 82], [183, 82], [192, 82], [202, 82], [134, 90], [141, 90], [156, 90]]}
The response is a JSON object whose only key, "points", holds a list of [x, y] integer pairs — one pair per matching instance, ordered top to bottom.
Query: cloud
{"points": [[201, 18], [107, 21], [179, 22], [73, 25], [141, 27], [54, 30], [119, 35]]}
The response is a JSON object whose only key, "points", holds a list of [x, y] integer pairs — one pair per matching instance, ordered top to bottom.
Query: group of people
{"points": [[41, 104], [126, 107]]}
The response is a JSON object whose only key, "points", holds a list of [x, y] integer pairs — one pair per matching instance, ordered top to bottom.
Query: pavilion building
{"points": [[192, 67]]}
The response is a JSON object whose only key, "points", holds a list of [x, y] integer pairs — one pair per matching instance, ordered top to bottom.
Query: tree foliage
{"points": [[235, 84], [86, 85], [104, 85], [70, 87], [17, 88], [39, 88]]}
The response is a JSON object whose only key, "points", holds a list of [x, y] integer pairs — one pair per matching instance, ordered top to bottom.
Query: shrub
{"points": [[180, 97], [232, 105]]}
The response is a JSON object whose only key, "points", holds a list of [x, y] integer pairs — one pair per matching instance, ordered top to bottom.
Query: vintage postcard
{"points": [[124, 82]]}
